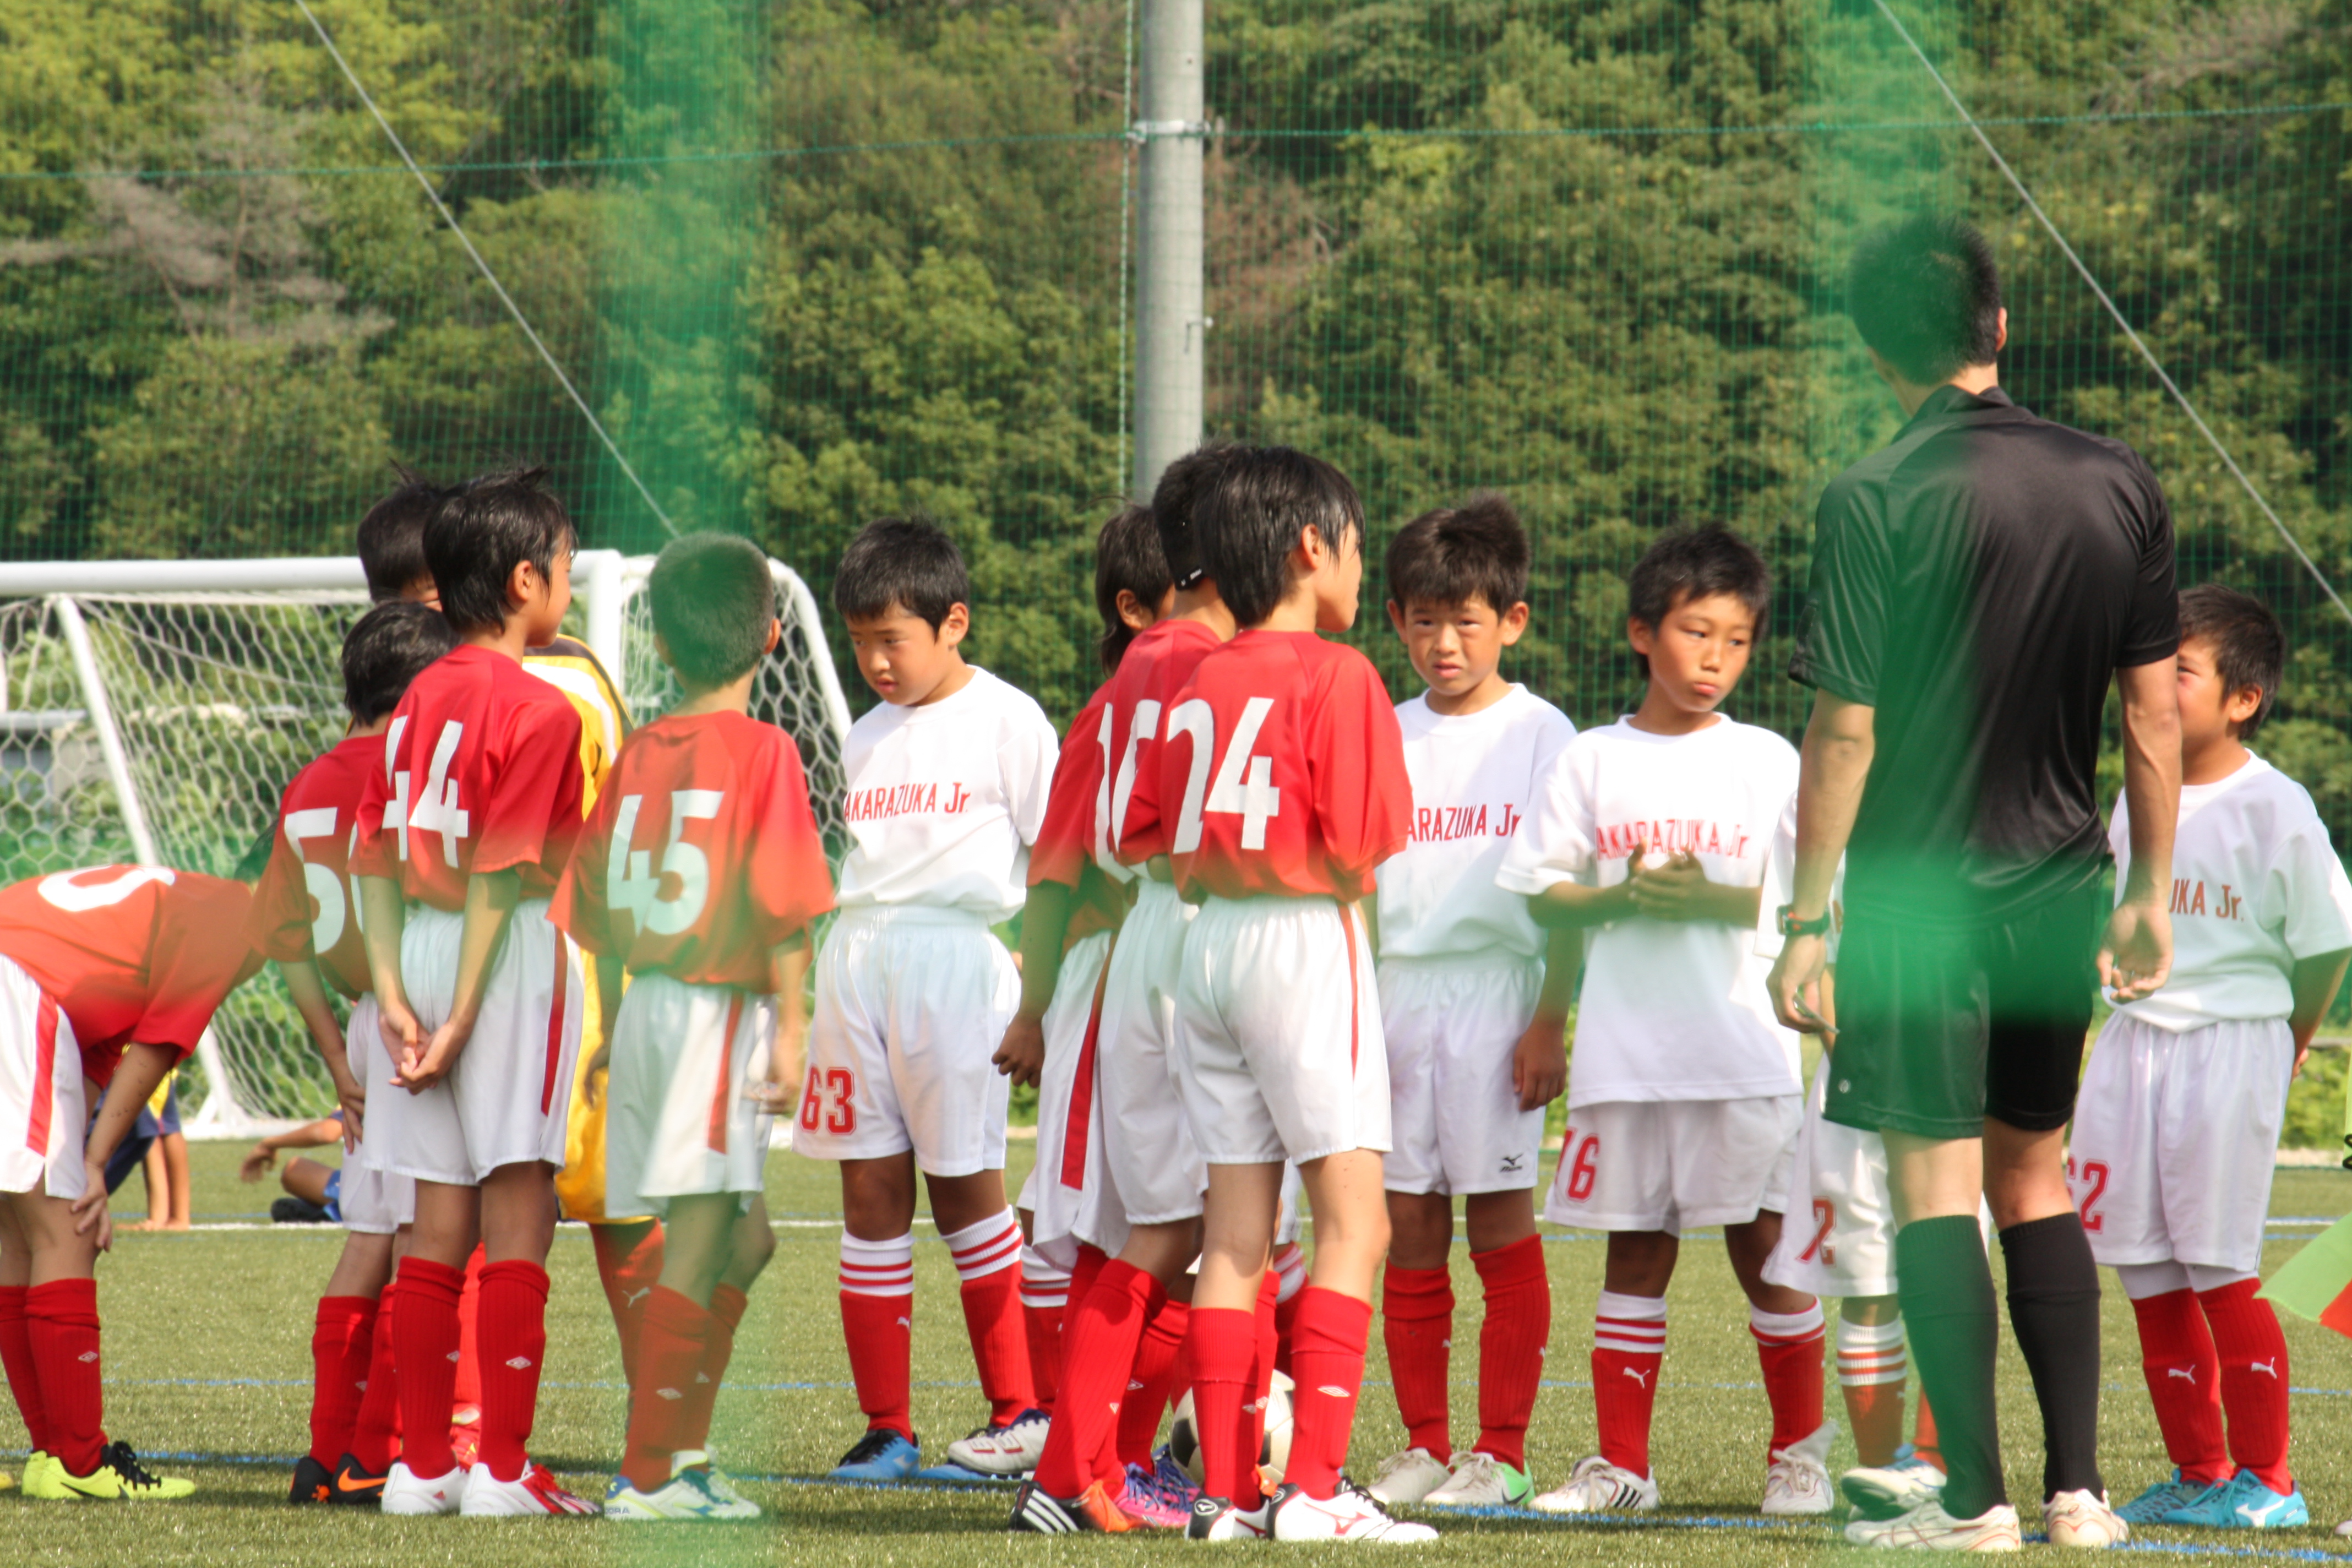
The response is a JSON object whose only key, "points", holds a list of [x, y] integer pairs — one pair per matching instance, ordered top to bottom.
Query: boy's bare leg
{"points": [[175, 1166], [155, 1175], [307, 1180], [1421, 1230], [1750, 1248], [1641, 1262], [364, 1268], [1788, 1327], [1871, 1369]]}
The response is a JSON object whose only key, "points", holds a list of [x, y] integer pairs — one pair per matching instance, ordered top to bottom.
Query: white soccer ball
{"points": [[1273, 1455]]}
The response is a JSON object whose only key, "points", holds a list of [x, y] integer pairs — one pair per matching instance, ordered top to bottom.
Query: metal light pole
{"points": [[1169, 285]]}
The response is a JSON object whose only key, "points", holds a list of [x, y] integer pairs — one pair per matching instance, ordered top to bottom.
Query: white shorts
{"points": [[911, 1005], [1453, 1027], [1278, 1047], [506, 1100], [42, 1109], [676, 1123], [2175, 1140], [1675, 1164], [1156, 1171], [372, 1201], [1054, 1206], [1838, 1240]]}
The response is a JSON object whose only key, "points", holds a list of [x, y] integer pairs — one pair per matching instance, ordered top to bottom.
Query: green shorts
{"points": [[1938, 1030]]}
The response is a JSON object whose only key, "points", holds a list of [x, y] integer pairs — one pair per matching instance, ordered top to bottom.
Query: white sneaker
{"points": [[1008, 1450], [1408, 1478], [1799, 1479], [1482, 1480], [1596, 1486], [1889, 1491], [406, 1492], [535, 1492], [687, 1496], [1347, 1514], [1220, 1518], [2083, 1519], [1929, 1528]]}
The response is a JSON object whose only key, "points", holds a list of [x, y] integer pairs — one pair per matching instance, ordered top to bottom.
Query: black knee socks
{"points": [[1945, 1286], [2053, 1305]]}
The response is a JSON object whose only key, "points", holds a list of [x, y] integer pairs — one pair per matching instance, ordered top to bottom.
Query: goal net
{"points": [[153, 711]]}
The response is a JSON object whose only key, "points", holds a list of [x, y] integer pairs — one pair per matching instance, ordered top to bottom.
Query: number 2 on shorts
{"points": [[2094, 1178]]}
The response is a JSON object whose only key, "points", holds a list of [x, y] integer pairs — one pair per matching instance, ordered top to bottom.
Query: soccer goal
{"points": [[153, 711]]}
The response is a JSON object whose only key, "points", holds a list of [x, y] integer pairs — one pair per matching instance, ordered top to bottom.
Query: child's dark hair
{"points": [[1924, 293], [1175, 508], [1247, 522], [484, 530], [392, 535], [1457, 554], [1127, 557], [906, 563], [1697, 564], [713, 601], [2248, 647], [386, 649]]}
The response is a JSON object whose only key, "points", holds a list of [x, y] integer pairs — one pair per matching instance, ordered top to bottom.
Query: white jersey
{"points": [[1474, 776], [944, 800], [2256, 886], [1670, 1010]]}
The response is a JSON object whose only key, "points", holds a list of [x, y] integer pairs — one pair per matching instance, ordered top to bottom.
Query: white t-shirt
{"points": [[1474, 778], [944, 800], [2256, 886], [1780, 888], [1671, 1009]]}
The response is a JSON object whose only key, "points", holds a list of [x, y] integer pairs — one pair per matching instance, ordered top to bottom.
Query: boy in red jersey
{"points": [[1282, 786], [472, 819], [699, 872], [303, 920], [109, 975]]}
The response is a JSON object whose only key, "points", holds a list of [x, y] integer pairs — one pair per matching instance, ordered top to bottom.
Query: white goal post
{"points": [[153, 710]]}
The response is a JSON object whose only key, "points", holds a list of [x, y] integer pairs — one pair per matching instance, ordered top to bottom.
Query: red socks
{"points": [[987, 1256], [628, 1265], [1044, 1302], [727, 1305], [878, 1314], [61, 1320], [1417, 1322], [1105, 1332], [343, 1342], [672, 1342], [1222, 1345], [1511, 1345], [1629, 1345], [514, 1346], [1789, 1348], [2252, 1354], [1326, 1358], [2177, 1358], [16, 1359], [1873, 1360], [1155, 1378], [467, 1389], [375, 1426]]}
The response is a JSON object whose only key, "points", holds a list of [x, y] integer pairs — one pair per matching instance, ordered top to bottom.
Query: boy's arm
{"points": [[1834, 764], [1680, 891], [490, 900], [1572, 906], [384, 917], [1045, 922], [2135, 956], [789, 963], [2315, 980], [308, 989], [1539, 1060], [135, 1076], [263, 1156]]}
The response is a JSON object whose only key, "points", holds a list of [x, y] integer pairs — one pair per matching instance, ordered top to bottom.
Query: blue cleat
{"points": [[883, 1454], [2243, 1503], [2152, 1505]]}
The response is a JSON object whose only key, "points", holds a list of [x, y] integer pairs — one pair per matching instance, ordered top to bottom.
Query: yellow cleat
{"points": [[120, 1477], [38, 1480], [7, 1482]]}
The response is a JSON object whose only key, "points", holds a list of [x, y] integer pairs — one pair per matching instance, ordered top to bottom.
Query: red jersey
{"points": [[1159, 662], [1282, 772], [482, 773], [1074, 832], [700, 855], [305, 905], [130, 954]]}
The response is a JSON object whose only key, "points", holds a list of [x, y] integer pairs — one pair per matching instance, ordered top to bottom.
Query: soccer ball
{"points": [[1273, 1455]]}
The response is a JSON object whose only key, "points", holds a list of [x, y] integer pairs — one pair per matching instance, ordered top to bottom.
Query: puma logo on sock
{"points": [[631, 1298], [2269, 1367], [2184, 1371], [1638, 1375]]}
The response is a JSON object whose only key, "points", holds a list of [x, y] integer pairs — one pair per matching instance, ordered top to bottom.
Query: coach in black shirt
{"points": [[1977, 585]]}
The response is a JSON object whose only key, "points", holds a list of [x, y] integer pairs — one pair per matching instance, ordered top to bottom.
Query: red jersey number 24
{"points": [[1243, 785]]}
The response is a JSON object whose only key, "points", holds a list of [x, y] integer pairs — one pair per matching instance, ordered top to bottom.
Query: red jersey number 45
{"points": [[1243, 785]]}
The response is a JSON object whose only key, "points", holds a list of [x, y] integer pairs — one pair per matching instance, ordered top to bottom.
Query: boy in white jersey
{"points": [[947, 782], [1473, 1001], [1683, 1091], [2178, 1125]]}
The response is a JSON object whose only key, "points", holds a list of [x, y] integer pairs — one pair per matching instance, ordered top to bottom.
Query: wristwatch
{"points": [[1790, 926]]}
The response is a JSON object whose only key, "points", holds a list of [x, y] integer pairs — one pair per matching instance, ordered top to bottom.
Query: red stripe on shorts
{"points": [[1348, 922], [554, 1027], [726, 1063], [45, 1072], [1082, 1089]]}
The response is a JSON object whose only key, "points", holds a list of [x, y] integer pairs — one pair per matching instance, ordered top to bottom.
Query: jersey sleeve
{"points": [[1844, 626], [2152, 630], [1028, 756], [1362, 789], [531, 813], [1138, 831], [1065, 843], [1554, 843], [373, 853], [791, 885], [2311, 893], [578, 907], [279, 924], [197, 955]]}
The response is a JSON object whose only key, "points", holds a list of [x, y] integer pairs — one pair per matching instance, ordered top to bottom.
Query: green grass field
{"points": [[208, 1367]]}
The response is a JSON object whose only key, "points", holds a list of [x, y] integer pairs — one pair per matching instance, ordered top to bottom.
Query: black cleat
{"points": [[291, 1210], [312, 1482], [356, 1486]]}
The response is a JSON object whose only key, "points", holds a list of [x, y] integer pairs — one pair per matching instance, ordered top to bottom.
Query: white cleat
{"points": [[1008, 1450], [1408, 1478], [1482, 1480], [1798, 1483], [1596, 1486], [1889, 1491], [406, 1492], [535, 1493], [689, 1495], [1348, 1514], [1219, 1519], [2082, 1519], [1928, 1527]]}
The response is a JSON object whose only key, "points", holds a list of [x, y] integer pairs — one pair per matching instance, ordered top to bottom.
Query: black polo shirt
{"points": [[1977, 583]]}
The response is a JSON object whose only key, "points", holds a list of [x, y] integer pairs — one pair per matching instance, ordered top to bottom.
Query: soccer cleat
{"points": [[291, 1210], [1008, 1450], [883, 1454], [1409, 1476], [120, 1478], [1168, 1478], [37, 1480], [1481, 1481], [7, 1482], [314, 1482], [718, 1482], [1797, 1483], [354, 1485], [1596, 1486], [1890, 1491], [535, 1492], [407, 1493], [687, 1495], [1144, 1501], [2243, 1503], [2152, 1505], [1091, 1512], [1348, 1514], [1219, 1519], [2082, 1519], [1928, 1527]]}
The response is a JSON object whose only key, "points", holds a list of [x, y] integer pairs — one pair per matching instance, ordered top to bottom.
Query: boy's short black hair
{"points": [[1926, 294], [1175, 508], [1248, 521], [482, 531], [392, 535], [1457, 554], [1127, 556], [901, 563], [1697, 564], [713, 601], [2249, 646], [386, 649]]}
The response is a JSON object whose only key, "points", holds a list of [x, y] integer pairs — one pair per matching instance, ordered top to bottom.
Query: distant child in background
{"points": [[1474, 1005], [2178, 1125], [158, 1149], [314, 1189]]}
